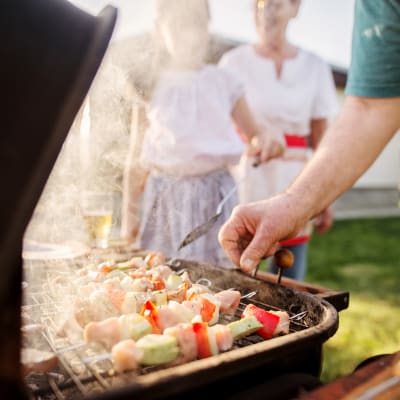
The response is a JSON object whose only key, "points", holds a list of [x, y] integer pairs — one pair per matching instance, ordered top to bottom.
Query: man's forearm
{"points": [[350, 145]]}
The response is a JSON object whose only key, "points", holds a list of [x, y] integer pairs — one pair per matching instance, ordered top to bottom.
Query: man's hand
{"points": [[254, 230]]}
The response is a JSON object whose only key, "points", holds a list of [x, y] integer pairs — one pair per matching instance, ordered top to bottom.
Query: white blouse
{"points": [[304, 91], [190, 127]]}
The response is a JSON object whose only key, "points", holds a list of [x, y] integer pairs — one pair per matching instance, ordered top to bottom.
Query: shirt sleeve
{"points": [[375, 60], [325, 103]]}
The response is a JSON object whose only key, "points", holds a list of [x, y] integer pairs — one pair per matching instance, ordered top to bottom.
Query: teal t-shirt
{"points": [[375, 61]]}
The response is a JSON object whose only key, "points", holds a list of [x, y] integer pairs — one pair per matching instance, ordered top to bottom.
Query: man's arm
{"points": [[350, 145], [324, 220]]}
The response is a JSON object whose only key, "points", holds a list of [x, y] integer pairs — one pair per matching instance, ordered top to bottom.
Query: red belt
{"points": [[296, 140], [295, 241]]}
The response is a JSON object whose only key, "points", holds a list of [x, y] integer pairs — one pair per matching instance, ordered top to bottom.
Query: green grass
{"points": [[362, 257]]}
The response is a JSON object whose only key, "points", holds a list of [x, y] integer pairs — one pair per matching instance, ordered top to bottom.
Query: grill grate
{"points": [[80, 373]]}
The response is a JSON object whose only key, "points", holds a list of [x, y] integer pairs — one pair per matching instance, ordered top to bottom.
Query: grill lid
{"points": [[50, 52]]}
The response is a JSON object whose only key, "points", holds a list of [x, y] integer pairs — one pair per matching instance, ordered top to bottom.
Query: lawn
{"points": [[361, 256]]}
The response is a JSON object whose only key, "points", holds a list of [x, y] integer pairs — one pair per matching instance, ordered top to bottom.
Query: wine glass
{"points": [[97, 211]]}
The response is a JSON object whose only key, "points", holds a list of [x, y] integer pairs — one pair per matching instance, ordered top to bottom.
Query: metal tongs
{"points": [[206, 226]]}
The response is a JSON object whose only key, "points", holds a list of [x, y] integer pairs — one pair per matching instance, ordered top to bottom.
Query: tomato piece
{"points": [[154, 258], [106, 266], [158, 284], [207, 308], [149, 311], [268, 320], [203, 344]]}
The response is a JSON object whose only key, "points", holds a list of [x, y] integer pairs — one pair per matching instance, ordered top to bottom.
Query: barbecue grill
{"points": [[53, 35], [252, 363]]}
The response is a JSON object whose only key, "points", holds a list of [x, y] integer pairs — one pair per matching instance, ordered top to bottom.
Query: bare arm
{"points": [[244, 119], [317, 130], [353, 142], [350, 145], [324, 220]]}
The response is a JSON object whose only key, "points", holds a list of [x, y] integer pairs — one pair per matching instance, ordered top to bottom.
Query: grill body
{"points": [[42, 126], [250, 368]]}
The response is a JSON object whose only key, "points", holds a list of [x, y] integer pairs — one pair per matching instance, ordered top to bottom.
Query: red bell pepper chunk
{"points": [[207, 309], [149, 311], [268, 320], [203, 343]]}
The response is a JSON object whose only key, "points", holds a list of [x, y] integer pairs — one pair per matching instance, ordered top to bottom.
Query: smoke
{"points": [[105, 134], [97, 147]]}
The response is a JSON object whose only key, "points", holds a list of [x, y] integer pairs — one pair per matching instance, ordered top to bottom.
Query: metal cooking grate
{"points": [[82, 371]]}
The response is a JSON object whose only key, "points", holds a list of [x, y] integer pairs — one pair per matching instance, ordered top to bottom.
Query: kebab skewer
{"points": [[155, 319], [195, 340]]}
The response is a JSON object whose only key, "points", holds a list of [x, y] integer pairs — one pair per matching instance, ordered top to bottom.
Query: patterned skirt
{"points": [[173, 206]]}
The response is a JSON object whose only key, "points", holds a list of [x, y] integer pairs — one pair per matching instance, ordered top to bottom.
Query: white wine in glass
{"points": [[97, 211]]}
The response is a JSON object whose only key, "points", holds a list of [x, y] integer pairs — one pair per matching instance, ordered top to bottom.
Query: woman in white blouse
{"points": [[294, 90], [191, 140]]}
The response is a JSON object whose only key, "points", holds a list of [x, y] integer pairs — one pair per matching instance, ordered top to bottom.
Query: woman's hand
{"points": [[265, 142], [265, 148]]}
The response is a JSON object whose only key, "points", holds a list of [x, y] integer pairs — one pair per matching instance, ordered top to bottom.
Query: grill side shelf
{"points": [[338, 298]]}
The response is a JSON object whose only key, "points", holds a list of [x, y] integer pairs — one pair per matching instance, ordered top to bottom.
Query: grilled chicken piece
{"points": [[154, 259], [163, 271], [197, 288], [229, 299], [192, 305], [96, 307], [166, 317], [284, 323], [114, 329], [106, 332], [223, 336], [186, 341], [126, 356], [34, 360]]}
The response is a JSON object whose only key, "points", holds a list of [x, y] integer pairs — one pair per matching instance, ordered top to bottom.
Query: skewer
{"points": [[284, 259], [256, 270], [204, 282], [248, 295], [299, 316], [77, 346], [71, 348], [108, 356], [96, 358]]}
